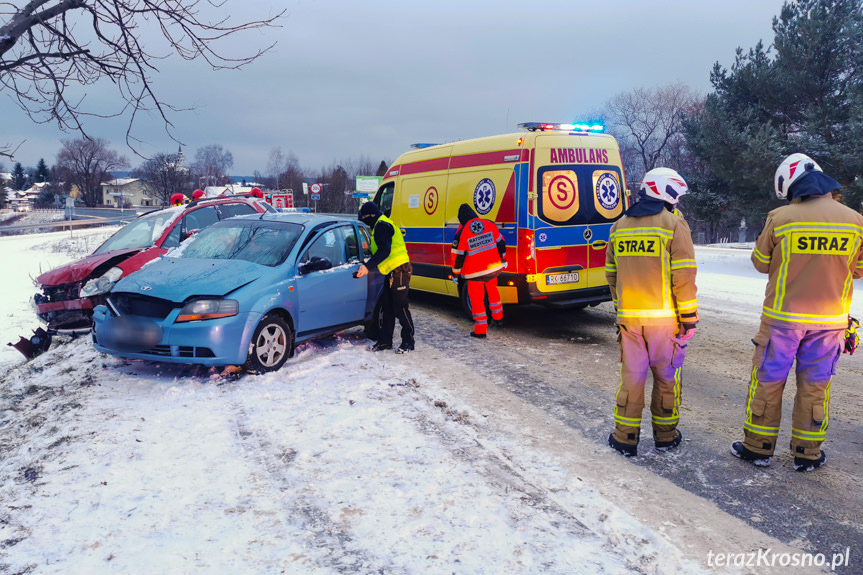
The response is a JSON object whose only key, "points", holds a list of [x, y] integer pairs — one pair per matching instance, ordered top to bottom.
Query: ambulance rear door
{"points": [[579, 182]]}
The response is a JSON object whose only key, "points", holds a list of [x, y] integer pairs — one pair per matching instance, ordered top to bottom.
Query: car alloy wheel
{"points": [[272, 344]]}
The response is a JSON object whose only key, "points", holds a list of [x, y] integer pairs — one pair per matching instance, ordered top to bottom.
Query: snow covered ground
{"points": [[342, 462]]}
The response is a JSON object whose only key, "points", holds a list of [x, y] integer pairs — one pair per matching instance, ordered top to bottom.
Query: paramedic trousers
{"points": [[476, 292], [394, 304], [648, 348], [816, 353]]}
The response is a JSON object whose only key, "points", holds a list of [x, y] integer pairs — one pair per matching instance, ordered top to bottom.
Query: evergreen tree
{"points": [[803, 94], [43, 174], [18, 178]]}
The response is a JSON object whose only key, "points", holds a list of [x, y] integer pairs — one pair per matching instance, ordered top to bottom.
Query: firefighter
{"points": [[197, 195], [177, 199], [811, 251], [390, 256], [476, 260], [650, 267]]}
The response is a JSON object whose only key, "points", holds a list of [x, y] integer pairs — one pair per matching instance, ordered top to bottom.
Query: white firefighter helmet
{"points": [[790, 170], [664, 184]]}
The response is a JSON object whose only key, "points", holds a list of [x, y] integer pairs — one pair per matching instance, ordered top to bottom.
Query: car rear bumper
{"points": [[223, 341]]}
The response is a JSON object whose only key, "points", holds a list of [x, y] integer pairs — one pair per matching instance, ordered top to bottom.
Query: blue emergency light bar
{"points": [[534, 126], [421, 146]]}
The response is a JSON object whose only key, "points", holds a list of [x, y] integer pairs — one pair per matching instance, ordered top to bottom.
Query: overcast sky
{"points": [[350, 79]]}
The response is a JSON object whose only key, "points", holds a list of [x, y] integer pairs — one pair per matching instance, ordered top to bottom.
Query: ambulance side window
{"points": [[385, 198]]}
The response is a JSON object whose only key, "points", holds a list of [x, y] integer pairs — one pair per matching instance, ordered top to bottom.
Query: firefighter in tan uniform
{"points": [[811, 251], [650, 267]]}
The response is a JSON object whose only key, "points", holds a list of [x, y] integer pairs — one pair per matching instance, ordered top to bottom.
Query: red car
{"points": [[69, 293]]}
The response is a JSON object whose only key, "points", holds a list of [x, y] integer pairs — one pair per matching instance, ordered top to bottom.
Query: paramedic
{"points": [[479, 256]]}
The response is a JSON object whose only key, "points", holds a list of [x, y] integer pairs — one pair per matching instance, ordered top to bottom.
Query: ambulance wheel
{"points": [[372, 328], [271, 346]]}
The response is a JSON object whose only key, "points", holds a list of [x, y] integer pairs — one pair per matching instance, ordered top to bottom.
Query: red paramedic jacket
{"points": [[478, 251]]}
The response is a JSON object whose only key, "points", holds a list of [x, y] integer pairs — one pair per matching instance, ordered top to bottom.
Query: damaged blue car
{"points": [[244, 291]]}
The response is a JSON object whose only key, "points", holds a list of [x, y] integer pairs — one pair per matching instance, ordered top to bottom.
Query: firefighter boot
{"points": [[668, 445], [625, 449]]}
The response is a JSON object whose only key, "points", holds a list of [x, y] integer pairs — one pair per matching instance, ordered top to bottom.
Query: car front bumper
{"points": [[214, 342]]}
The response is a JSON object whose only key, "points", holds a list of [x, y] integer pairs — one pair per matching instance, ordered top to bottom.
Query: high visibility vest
{"points": [[477, 240], [398, 249]]}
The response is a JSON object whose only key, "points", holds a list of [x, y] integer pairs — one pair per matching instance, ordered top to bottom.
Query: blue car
{"points": [[244, 291]]}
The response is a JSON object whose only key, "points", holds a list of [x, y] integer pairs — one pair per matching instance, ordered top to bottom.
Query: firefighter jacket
{"points": [[478, 250], [812, 251], [398, 252], [650, 267]]}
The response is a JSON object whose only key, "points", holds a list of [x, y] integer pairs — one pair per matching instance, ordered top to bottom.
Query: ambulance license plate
{"points": [[556, 279]]}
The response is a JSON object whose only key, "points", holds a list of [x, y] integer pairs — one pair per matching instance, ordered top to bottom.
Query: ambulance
{"points": [[553, 190]]}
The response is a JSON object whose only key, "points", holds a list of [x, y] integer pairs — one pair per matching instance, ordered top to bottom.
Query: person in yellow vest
{"points": [[811, 250], [390, 257], [650, 268]]}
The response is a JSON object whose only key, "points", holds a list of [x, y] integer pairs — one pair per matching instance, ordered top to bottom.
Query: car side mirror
{"points": [[315, 264]]}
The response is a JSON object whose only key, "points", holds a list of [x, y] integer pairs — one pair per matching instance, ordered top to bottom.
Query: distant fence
{"points": [[13, 228]]}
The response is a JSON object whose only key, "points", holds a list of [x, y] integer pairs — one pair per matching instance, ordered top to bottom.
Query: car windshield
{"points": [[141, 233], [265, 243]]}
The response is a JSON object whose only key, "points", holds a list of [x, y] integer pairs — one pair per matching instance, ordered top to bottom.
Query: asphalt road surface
{"points": [[566, 363]]}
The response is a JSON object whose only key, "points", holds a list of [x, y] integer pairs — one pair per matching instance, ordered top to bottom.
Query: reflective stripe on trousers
{"points": [[646, 349], [816, 353]]}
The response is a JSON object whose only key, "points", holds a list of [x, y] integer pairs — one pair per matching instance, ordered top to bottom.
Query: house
{"points": [[132, 191]]}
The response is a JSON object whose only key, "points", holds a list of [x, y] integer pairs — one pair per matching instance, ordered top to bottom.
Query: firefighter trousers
{"points": [[476, 293], [643, 349], [816, 353]]}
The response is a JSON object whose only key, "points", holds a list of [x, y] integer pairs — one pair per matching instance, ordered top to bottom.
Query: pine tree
{"points": [[803, 94], [43, 174], [19, 180]]}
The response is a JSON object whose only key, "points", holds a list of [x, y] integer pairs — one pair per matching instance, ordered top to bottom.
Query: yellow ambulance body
{"points": [[553, 192]]}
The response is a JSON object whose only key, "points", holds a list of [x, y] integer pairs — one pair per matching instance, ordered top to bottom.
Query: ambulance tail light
{"points": [[526, 252]]}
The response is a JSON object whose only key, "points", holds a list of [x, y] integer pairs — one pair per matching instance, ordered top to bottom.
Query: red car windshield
{"points": [[141, 233]]}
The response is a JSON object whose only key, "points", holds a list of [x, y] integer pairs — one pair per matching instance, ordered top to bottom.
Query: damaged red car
{"points": [[69, 293]]}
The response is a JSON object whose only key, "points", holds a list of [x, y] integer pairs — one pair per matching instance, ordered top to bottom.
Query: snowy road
{"points": [[447, 460]]}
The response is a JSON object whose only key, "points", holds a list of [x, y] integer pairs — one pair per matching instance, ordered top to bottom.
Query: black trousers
{"points": [[395, 305]]}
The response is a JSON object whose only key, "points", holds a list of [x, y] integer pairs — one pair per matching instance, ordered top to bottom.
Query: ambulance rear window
{"points": [[580, 194]]}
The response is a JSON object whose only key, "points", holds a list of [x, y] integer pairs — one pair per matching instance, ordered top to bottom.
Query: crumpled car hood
{"points": [[81, 269], [177, 279]]}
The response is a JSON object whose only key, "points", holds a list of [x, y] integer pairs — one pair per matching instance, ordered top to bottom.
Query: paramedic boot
{"points": [[670, 444], [625, 449], [739, 451], [801, 464]]}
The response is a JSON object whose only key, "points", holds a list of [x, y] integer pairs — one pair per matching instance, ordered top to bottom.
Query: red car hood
{"points": [[81, 269]]}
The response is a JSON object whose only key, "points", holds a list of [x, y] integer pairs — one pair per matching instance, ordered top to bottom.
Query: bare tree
{"points": [[50, 47], [648, 123], [88, 162], [212, 164], [167, 175]]}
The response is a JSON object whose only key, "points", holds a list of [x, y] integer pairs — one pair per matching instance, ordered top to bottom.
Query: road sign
{"points": [[368, 184], [305, 188], [316, 188], [74, 191], [316, 196]]}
